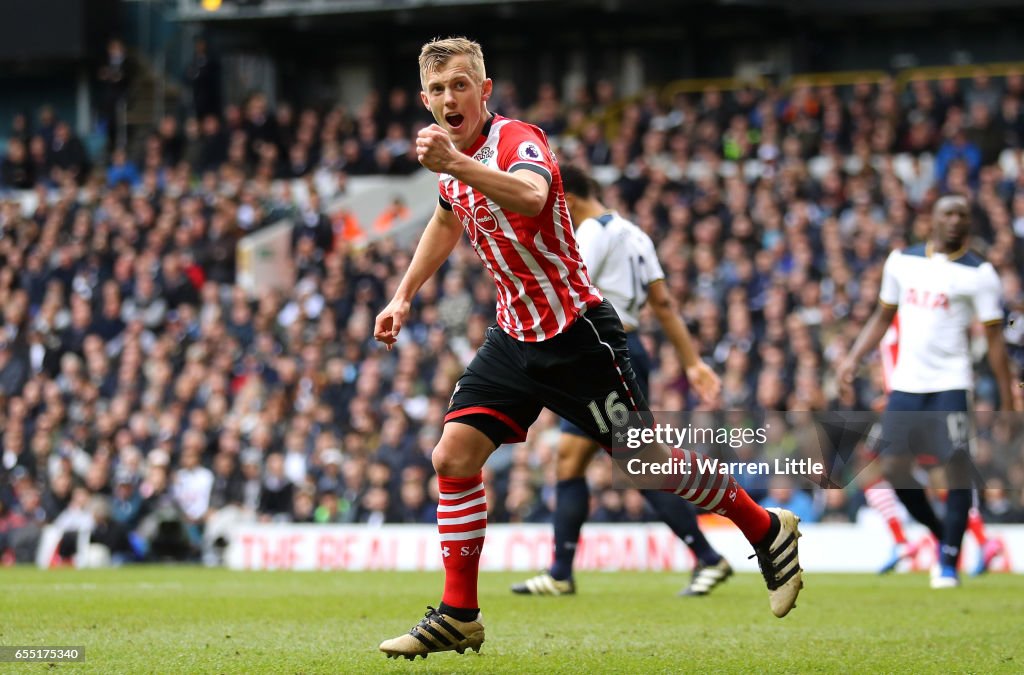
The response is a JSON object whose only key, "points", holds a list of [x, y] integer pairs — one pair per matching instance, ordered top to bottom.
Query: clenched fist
{"points": [[434, 149]]}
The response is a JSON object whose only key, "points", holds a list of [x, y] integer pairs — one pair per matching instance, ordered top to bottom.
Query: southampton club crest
{"points": [[484, 154]]}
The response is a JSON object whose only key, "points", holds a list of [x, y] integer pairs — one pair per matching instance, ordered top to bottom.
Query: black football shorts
{"points": [[584, 375]]}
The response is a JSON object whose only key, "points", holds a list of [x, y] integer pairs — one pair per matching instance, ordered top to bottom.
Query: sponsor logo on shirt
{"points": [[480, 220], [927, 299]]}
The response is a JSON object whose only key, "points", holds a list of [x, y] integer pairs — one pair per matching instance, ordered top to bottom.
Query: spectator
{"points": [[204, 74], [115, 78], [260, 126], [20, 129], [984, 133], [171, 141], [213, 144], [957, 148], [68, 154], [121, 170], [17, 171], [395, 213], [314, 224], [13, 370], [193, 482], [227, 487], [276, 494], [782, 494], [126, 505], [414, 505], [998, 505], [303, 506], [836, 507], [327, 509], [77, 519], [25, 525], [109, 533]]}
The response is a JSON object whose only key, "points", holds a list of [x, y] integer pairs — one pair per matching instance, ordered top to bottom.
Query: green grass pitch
{"points": [[185, 619]]}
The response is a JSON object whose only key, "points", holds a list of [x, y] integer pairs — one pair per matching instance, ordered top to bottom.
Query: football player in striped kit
{"points": [[557, 343]]}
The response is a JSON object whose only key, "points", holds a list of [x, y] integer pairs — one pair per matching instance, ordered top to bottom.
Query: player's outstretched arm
{"points": [[521, 191], [439, 238], [868, 340], [999, 360], [704, 380]]}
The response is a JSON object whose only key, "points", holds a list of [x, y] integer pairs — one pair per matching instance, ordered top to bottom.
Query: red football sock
{"points": [[719, 492], [881, 497], [461, 522], [977, 526], [896, 527]]}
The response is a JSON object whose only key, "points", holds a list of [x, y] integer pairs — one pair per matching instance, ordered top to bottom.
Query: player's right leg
{"points": [[492, 404], [904, 424], [572, 505], [680, 516], [462, 522]]}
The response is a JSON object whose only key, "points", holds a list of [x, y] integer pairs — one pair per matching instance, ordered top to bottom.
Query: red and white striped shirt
{"points": [[543, 285]]}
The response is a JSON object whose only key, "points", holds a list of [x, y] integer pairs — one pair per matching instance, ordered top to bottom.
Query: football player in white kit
{"points": [[624, 265], [939, 288]]}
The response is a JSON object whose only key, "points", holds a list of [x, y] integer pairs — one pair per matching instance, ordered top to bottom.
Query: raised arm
{"points": [[523, 190], [439, 238]]}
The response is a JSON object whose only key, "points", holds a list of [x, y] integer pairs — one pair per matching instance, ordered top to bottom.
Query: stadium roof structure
{"points": [[194, 10], [228, 10]]}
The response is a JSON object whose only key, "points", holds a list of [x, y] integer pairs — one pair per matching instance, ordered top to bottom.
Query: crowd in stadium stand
{"points": [[145, 397]]}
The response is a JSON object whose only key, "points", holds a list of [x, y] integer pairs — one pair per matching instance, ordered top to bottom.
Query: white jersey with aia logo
{"points": [[622, 262], [542, 283], [938, 296]]}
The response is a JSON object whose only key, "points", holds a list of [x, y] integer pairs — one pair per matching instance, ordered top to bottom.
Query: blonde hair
{"points": [[436, 54]]}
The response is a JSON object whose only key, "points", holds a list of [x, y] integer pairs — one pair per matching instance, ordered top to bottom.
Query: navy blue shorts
{"points": [[641, 362], [932, 427]]}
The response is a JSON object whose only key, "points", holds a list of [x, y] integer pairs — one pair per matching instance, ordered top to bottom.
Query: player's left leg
{"points": [[585, 376], [905, 421], [952, 445], [572, 506], [680, 516]]}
